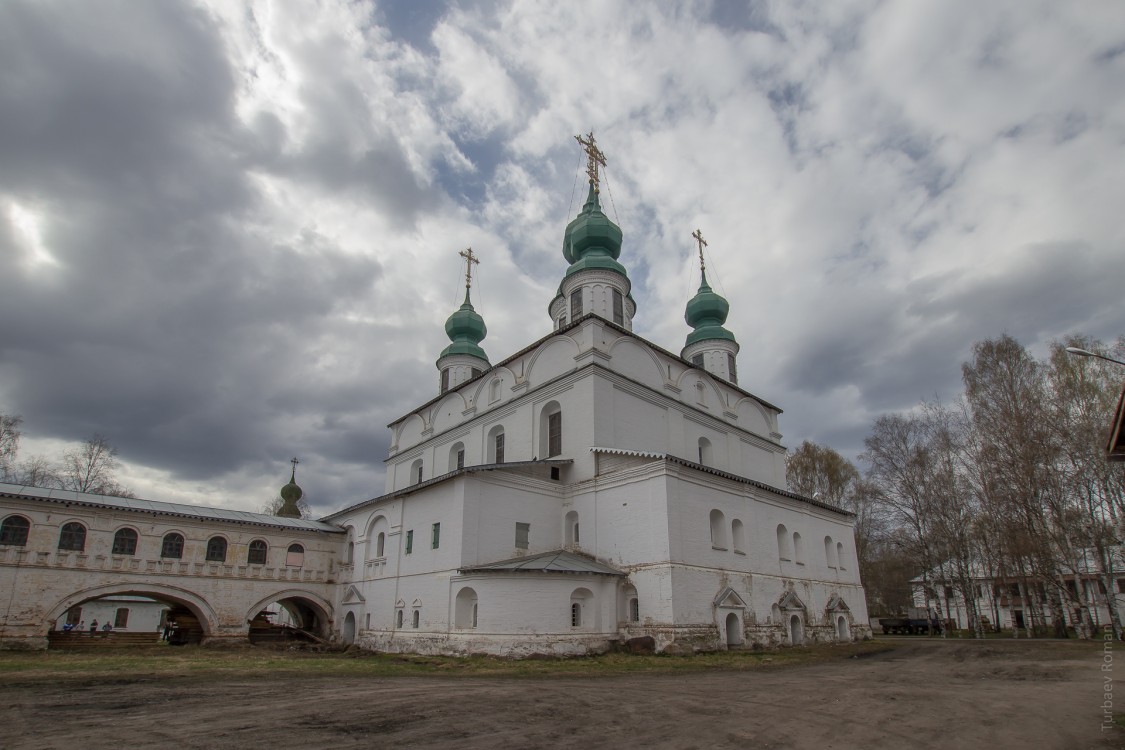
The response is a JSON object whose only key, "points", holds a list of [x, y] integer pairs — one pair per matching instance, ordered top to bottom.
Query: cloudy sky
{"points": [[229, 231]]}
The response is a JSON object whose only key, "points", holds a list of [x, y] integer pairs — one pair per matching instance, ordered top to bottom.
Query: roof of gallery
{"points": [[154, 507]]}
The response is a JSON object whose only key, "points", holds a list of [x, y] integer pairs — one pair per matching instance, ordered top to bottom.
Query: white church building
{"points": [[593, 488], [589, 489]]}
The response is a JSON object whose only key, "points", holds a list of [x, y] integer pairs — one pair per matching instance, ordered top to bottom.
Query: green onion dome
{"points": [[591, 240], [706, 312], [466, 329], [290, 494]]}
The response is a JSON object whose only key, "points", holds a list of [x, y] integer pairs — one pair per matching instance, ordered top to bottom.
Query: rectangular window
{"points": [[576, 304], [618, 308], [697, 360], [732, 369], [445, 380], [554, 434], [500, 448], [461, 459], [523, 530], [436, 536], [410, 541], [121, 618]]}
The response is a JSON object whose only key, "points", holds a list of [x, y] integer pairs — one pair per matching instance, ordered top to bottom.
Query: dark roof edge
{"points": [[564, 329], [446, 477], [171, 513]]}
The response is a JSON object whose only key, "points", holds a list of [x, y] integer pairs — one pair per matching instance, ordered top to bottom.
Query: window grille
{"points": [[576, 304], [618, 308], [732, 368], [554, 434], [500, 448], [461, 459], [14, 530], [72, 537], [435, 537], [125, 542], [172, 547], [216, 549], [256, 555], [575, 615]]}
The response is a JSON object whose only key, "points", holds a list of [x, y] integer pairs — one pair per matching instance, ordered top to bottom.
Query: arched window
{"points": [[576, 304], [494, 390], [550, 430], [494, 445], [457, 456], [706, 456], [416, 472], [570, 528], [14, 530], [718, 530], [738, 536], [72, 537], [377, 538], [124, 542], [173, 546], [783, 546], [216, 549], [798, 549], [829, 552], [349, 554], [256, 555], [840, 555], [295, 556], [579, 599], [634, 610], [465, 613], [398, 617], [417, 617]]}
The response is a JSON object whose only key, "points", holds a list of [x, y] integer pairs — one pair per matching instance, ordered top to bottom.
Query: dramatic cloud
{"points": [[228, 231]]}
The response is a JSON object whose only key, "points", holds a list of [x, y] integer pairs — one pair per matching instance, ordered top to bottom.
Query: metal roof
{"points": [[508, 466], [725, 474], [155, 507], [559, 561]]}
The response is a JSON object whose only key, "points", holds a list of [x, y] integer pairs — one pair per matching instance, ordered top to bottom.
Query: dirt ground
{"points": [[927, 693]]}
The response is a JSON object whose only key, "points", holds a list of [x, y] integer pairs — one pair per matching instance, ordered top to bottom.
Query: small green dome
{"points": [[591, 240], [706, 312], [466, 329], [290, 494]]}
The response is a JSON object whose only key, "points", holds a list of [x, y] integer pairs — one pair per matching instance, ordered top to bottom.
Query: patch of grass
{"points": [[185, 662]]}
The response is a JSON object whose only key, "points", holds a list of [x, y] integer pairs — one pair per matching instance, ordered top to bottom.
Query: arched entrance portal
{"points": [[136, 615], [292, 616], [349, 628], [796, 630], [843, 632], [734, 635]]}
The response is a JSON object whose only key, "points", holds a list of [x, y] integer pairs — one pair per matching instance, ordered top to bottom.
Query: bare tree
{"points": [[9, 442], [92, 468]]}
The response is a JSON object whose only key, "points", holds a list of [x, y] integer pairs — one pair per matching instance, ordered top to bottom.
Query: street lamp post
{"points": [[1084, 353]]}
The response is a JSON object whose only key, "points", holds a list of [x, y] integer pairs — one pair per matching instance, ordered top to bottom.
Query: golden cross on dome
{"points": [[594, 157], [698, 235], [470, 259]]}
